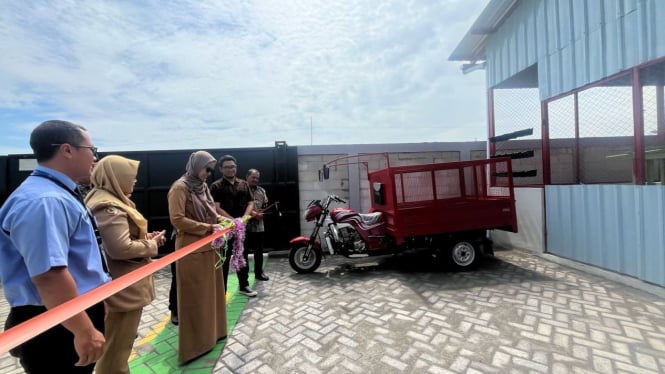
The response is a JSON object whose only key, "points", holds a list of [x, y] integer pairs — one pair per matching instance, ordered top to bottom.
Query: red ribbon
{"points": [[27, 330]]}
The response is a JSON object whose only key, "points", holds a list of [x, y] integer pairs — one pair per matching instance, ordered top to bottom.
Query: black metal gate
{"points": [[159, 169]]}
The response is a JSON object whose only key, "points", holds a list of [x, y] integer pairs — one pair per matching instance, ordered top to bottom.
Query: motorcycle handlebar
{"points": [[337, 198]]}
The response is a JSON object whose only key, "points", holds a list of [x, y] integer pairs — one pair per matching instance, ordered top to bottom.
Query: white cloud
{"points": [[161, 75]]}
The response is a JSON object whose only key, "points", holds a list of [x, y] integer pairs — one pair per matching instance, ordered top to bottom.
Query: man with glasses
{"points": [[233, 199], [49, 252]]}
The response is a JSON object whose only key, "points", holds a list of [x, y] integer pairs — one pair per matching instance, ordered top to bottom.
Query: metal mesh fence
{"points": [[652, 79], [650, 100], [517, 110], [591, 131], [606, 132], [563, 145], [601, 148], [375, 162], [498, 171], [468, 180], [447, 184], [469, 185], [417, 186]]}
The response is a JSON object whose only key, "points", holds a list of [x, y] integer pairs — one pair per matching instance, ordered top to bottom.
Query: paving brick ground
{"points": [[519, 313]]}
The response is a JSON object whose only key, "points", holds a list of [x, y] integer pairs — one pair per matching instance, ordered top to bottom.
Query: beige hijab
{"points": [[113, 178], [204, 206]]}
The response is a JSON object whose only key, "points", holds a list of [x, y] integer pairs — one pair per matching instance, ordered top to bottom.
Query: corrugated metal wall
{"points": [[575, 42], [516, 45], [616, 227]]}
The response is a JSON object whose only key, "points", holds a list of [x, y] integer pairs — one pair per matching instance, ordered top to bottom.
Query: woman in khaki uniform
{"points": [[128, 246], [200, 284]]}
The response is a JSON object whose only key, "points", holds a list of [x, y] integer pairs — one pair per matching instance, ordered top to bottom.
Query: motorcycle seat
{"points": [[371, 218]]}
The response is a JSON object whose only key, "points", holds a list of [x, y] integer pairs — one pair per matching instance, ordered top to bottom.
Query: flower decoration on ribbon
{"points": [[220, 244]]}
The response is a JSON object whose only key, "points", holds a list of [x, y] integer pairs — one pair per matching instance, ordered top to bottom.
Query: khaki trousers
{"points": [[120, 334]]}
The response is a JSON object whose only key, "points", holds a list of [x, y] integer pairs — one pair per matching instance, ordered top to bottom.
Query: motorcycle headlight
{"points": [[312, 212]]}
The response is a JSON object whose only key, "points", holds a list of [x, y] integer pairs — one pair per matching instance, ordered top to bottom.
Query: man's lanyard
{"points": [[78, 197]]}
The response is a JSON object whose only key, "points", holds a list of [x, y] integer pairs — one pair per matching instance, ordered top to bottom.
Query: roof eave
{"points": [[472, 46]]}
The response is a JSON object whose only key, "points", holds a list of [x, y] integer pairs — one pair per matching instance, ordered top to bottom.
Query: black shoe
{"points": [[261, 277], [247, 291], [174, 319]]}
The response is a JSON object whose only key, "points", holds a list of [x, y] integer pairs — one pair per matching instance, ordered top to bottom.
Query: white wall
{"points": [[529, 202]]}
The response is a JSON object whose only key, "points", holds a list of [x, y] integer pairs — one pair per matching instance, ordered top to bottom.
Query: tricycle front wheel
{"points": [[303, 260]]}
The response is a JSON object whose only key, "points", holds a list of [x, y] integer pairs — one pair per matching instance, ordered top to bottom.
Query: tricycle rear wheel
{"points": [[464, 255], [303, 262]]}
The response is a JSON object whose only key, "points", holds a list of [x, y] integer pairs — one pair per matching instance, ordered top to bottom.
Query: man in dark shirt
{"points": [[233, 199]]}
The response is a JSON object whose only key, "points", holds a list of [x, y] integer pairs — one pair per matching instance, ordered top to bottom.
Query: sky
{"points": [[157, 75]]}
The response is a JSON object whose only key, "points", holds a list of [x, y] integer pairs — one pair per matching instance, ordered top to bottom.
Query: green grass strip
{"points": [[163, 355]]}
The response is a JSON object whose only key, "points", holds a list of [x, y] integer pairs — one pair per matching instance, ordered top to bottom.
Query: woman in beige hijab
{"points": [[128, 246], [200, 284]]}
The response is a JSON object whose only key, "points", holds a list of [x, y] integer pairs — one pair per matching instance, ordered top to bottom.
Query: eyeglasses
{"points": [[90, 147], [229, 167], [209, 170]]}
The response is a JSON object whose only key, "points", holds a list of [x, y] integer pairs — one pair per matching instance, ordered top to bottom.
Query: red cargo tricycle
{"points": [[446, 208]]}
